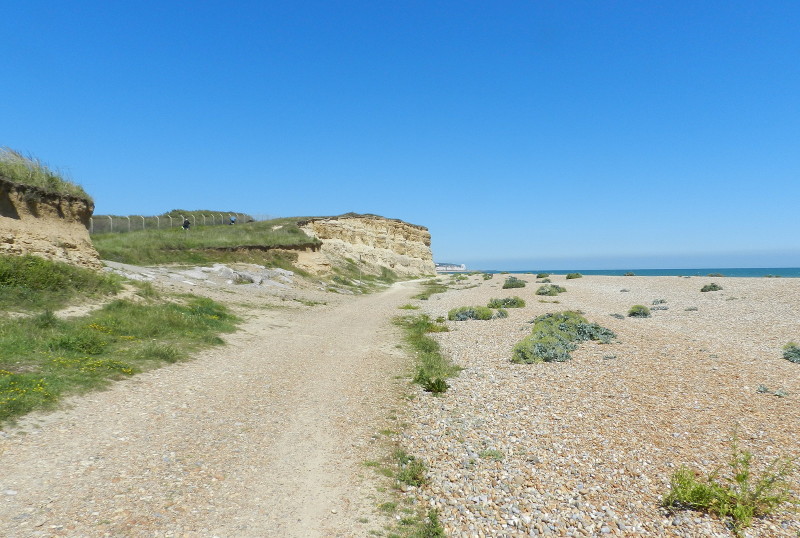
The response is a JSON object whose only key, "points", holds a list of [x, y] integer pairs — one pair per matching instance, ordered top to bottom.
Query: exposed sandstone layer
{"points": [[33, 221], [372, 240]]}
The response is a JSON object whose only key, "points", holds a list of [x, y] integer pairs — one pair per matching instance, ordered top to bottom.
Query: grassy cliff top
{"points": [[28, 170]]}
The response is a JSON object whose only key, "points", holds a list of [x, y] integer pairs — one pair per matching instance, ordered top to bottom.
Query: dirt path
{"points": [[262, 437]]}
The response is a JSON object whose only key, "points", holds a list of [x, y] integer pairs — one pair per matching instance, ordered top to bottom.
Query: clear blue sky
{"points": [[523, 134]]}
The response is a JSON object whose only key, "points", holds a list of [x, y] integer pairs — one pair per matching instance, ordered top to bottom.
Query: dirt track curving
{"points": [[263, 437]]}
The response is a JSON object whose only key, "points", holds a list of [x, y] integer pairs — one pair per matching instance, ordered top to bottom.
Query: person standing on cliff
{"points": [[186, 224]]}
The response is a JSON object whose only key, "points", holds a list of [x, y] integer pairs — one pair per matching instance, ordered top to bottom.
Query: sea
{"points": [[752, 272]]}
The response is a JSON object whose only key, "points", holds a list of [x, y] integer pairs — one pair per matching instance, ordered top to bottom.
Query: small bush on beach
{"points": [[542, 275], [488, 276], [570, 276], [544, 281], [513, 282], [711, 287], [550, 290], [659, 301], [507, 302], [639, 311], [464, 313], [554, 336], [791, 352], [738, 496]]}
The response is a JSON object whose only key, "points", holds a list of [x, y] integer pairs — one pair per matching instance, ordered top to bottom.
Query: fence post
{"points": [[170, 220], [204, 220], [142, 221], [129, 223], [158, 223], [111, 224]]}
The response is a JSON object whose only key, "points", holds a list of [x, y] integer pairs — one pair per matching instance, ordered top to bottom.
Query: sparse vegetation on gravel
{"points": [[28, 170], [542, 275], [487, 276], [571, 276], [513, 282], [32, 283], [430, 287], [711, 287], [550, 290], [507, 302], [639, 311], [463, 313], [555, 335], [791, 352], [43, 358], [432, 367], [738, 495]]}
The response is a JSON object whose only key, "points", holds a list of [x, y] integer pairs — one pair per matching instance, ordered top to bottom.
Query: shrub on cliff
{"points": [[28, 170], [513, 282], [550, 289], [507, 302], [555, 335]]}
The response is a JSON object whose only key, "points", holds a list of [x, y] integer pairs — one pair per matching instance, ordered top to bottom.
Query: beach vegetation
{"points": [[31, 171], [630, 273], [542, 275], [487, 276], [571, 276], [544, 281], [513, 282], [31, 283], [430, 287], [711, 287], [550, 290], [659, 301], [507, 302], [691, 309], [639, 311], [463, 313], [555, 335], [791, 352], [44, 358], [430, 363], [738, 495]]}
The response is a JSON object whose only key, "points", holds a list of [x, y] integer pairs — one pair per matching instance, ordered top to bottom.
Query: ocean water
{"points": [[783, 272]]}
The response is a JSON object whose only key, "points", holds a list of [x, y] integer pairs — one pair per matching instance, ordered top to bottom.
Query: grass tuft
{"points": [[29, 170], [431, 364]]}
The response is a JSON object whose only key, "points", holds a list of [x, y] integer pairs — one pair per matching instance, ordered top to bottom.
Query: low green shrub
{"points": [[542, 275], [488, 276], [570, 276], [544, 281], [513, 282], [711, 287], [550, 289], [659, 301], [507, 302], [639, 311], [463, 313], [501, 313], [554, 336], [791, 352], [430, 362], [411, 470], [739, 496]]}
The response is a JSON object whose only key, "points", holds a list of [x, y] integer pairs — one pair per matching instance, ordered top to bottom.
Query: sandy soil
{"points": [[265, 436]]}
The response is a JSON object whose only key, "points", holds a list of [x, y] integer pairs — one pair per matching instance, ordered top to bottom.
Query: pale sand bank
{"points": [[588, 445]]}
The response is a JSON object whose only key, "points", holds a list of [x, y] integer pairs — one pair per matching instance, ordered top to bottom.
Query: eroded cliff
{"points": [[33, 221], [377, 241]]}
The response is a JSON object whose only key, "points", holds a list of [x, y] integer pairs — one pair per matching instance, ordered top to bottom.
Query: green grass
{"points": [[28, 170], [246, 242], [352, 276], [33, 283], [430, 287], [555, 335], [44, 358], [431, 366], [491, 454], [738, 496]]}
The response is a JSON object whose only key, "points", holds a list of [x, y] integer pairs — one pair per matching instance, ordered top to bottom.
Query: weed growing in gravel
{"points": [[542, 275], [488, 276], [570, 276], [544, 281], [513, 282], [430, 287], [711, 287], [550, 290], [659, 301], [507, 302], [408, 307], [691, 309], [639, 311], [463, 313], [554, 336], [791, 352], [431, 364], [491, 454], [411, 470], [738, 496]]}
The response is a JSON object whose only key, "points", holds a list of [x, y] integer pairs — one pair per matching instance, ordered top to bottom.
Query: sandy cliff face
{"points": [[35, 222], [402, 247]]}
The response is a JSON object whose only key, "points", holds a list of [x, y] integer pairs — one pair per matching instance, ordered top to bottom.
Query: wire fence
{"points": [[120, 224]]}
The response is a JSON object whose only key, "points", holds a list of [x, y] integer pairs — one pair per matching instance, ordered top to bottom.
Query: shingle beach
{"points": [[587, 447]]}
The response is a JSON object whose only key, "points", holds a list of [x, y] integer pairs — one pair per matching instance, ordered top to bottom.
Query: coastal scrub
{"points": [[555, 335]]}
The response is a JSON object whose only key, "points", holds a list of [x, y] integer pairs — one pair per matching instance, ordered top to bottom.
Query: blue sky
{"points": [[522, 134]]}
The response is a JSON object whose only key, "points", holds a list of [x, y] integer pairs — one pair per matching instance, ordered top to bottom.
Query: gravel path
{"points": [[262, 437], [586, 447]]}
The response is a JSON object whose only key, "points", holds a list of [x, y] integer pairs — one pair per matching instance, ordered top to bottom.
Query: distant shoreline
{"points": [[748, 272]]}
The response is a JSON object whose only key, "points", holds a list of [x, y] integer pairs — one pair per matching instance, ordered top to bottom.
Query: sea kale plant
{"points": [[570, 276], [513, 282], [711, 287], [550, 289], [507, 302], [464, 313], [555, 335], [791, 352]]}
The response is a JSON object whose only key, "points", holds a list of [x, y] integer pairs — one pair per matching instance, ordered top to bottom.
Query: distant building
{"points": [[450, 268]]}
